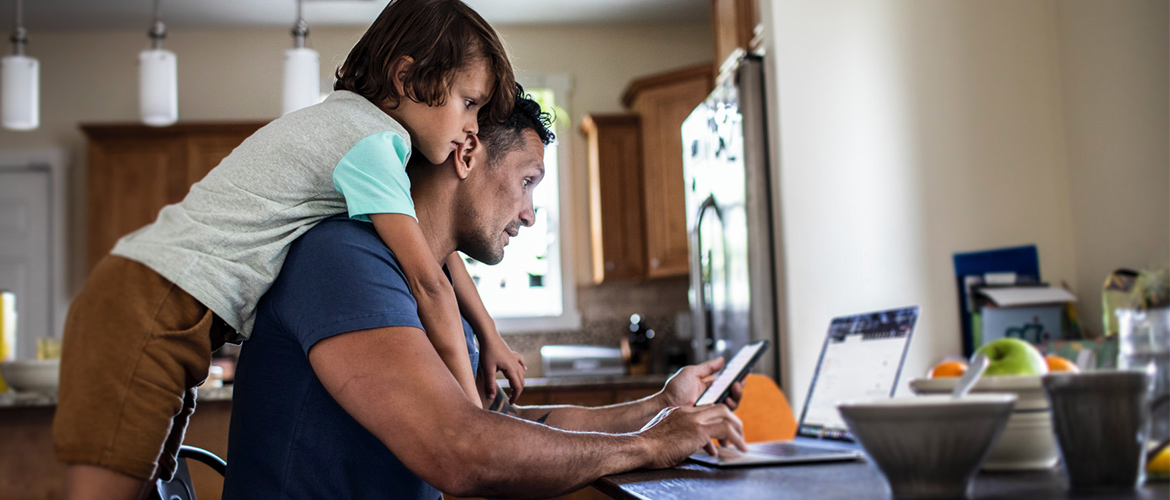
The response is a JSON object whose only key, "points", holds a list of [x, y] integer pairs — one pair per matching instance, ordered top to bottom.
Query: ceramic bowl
{"points": [[31, 375], [1028, 442], [929, 446]]}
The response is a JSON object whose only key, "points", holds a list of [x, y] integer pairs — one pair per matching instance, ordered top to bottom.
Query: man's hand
{"points": [[496, 356], [685, 386], [677, 433]]}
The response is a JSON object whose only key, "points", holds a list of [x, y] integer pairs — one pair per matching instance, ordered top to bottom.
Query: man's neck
{"points": [[436, 220]]}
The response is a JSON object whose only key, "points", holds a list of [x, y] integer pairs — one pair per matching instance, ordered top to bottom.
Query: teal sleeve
{"points": [[372, 177]]}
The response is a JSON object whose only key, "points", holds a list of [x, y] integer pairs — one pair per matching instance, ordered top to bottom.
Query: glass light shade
{"points": [[302, 79], [158, 87], [21, 92]]}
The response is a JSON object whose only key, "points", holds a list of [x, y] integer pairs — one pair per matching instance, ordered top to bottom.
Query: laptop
{"points": [[861, 359]]}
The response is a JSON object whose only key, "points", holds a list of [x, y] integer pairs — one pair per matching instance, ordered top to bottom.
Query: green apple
{"points": [[1010, 356]]}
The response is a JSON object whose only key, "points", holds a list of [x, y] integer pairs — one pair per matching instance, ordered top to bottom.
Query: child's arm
{"points": [[437, 308], [495, 353]]}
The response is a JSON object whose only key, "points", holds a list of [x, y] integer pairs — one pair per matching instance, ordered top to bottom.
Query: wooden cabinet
{"points": [[736, 24], [663, 102], [135, 170], [615, 194], [638, 220]]}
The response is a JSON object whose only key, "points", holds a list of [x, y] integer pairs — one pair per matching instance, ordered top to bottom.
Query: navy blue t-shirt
{"points": [[289, 438]]}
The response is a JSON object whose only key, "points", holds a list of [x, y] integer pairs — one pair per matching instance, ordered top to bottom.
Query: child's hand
{"points": [[496, 356]]}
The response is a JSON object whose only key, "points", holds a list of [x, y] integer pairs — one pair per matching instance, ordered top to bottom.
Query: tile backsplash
{"points": [[605, 317]]}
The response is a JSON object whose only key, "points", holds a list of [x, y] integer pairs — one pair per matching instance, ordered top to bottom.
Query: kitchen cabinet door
{"points": [[663, 102], [136, 170], [130, 179], [615, 196]]}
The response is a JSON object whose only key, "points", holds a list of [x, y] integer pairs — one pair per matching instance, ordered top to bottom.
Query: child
{"points": [[441, 120], [139, 336]]}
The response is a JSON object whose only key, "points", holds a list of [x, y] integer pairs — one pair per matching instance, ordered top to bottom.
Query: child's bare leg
{"points": [[86, 482]]}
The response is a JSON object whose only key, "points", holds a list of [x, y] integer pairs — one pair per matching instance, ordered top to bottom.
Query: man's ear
{"points": [[467, 157]]}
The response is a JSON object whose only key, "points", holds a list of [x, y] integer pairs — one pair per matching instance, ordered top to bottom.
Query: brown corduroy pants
{"points": [[135, 347]]}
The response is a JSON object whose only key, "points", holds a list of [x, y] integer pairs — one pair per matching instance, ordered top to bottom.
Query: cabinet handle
{"points": [[653, 262], [609, 266]]}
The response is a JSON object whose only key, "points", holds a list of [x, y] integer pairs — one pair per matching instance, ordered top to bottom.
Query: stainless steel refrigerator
{"points": [[729, 216]]}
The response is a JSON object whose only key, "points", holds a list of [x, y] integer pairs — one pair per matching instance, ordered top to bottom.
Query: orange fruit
{"points": [[1059, 364], [948, 368]]}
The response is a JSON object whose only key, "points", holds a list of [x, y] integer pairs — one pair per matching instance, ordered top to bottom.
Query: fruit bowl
{"points": [[31, 375], [1028, 441], [929, 446]]}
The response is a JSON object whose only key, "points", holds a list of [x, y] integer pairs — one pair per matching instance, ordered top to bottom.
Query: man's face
{"points": [[497, 200]]}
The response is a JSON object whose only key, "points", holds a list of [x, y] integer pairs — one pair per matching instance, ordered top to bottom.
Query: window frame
{"points": [[570, 317]]}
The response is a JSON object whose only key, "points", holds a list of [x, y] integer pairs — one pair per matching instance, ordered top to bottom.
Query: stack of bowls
{"points": [[31, 375], [1028, 441], [929, 446]]}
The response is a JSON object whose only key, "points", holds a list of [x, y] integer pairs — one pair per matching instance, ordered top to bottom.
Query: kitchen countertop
{"points": [[593, 382], [13, 399], [849, 480]]}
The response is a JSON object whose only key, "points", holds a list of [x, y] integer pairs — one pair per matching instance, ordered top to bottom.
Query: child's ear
{"points": [[398, 72], [467, 157]]}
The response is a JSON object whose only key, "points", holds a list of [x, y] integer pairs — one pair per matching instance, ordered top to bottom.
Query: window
{"points": [[534, 287]]}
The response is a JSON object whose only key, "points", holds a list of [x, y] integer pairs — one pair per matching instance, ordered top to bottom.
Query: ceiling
{"points": [[58, 15]]}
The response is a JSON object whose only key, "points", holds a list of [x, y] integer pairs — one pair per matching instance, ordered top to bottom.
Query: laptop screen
{"points": [[861, 359]]}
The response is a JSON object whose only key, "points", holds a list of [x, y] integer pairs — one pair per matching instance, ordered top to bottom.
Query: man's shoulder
{"points": [[342, 237], [338, 277]]}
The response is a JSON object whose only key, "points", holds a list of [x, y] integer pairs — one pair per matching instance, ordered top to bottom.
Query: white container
{"points": [[37, 375], [1028, 441], [929, 446]]}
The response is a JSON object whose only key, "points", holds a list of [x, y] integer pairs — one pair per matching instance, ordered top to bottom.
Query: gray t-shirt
{"points": [[225, 242]]}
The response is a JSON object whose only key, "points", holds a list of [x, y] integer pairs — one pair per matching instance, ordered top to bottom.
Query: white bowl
{"points": [[31, 375], [1028, 442], [929, 446]]}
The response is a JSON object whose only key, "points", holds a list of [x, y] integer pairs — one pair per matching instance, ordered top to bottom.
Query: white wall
{"points": [[91, 76], [1115, 76], [911, 130]]}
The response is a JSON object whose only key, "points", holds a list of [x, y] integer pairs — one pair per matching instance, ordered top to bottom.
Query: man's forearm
{"points": [[415, 408], [617, 418], [538, 461]]}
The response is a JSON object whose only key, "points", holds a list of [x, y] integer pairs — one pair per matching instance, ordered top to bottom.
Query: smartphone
{"points": [[734, 371]]}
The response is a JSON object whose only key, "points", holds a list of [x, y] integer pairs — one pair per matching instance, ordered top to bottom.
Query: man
{"points": [[339, 394]]}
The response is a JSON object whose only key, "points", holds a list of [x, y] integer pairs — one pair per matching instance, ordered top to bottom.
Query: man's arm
{"points": [[394, 384], [681, 390]]}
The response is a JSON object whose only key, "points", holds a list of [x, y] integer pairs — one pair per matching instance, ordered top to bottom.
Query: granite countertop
{"points": [[593, 382], [12, 399]]}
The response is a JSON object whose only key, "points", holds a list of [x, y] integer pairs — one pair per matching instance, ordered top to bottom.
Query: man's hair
{"points": [[442, 36], [507, 136]]}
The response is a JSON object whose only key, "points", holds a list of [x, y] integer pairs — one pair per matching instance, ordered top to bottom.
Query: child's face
{"points": [[437, 130]]}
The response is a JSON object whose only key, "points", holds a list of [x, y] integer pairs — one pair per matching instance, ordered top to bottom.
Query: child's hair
{"points": [[442, 36]]}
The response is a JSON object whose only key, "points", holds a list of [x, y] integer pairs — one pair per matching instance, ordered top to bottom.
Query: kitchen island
{"points": [[845, 480]]}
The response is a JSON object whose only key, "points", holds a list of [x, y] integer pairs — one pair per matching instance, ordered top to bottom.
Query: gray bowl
{"points": [[929, 446]]}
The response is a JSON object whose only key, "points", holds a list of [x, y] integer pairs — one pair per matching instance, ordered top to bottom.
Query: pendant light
{"points": [[302, 69], [158, 82], [20, 98]]}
